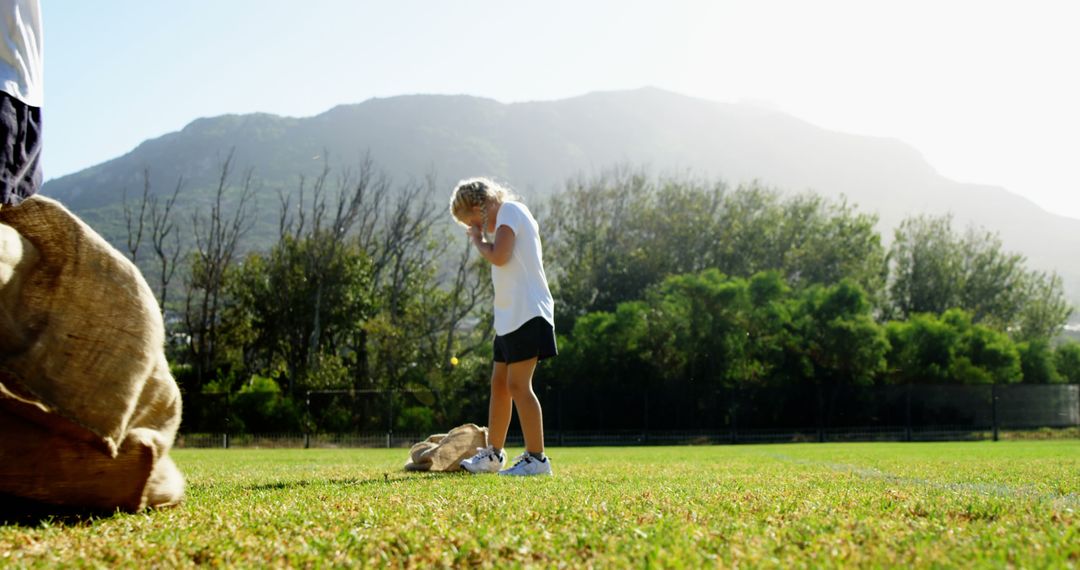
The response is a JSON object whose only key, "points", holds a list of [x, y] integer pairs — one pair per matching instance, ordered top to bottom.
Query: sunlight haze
{"points": [[986, 91]]}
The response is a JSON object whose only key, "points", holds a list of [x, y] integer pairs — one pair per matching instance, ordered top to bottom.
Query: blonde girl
{"points": [[524, 320]]}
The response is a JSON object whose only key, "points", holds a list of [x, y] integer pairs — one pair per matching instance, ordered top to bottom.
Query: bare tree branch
{"points": [[135, 225], [161, 227], [216, 240]]}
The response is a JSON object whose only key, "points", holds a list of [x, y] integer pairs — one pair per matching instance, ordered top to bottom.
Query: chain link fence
{"points": [[658, 416]]}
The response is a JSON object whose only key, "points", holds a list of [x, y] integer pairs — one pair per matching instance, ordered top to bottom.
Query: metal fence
{"points": [[821, 408], [691, 414], [617, 438], [297, 440]]}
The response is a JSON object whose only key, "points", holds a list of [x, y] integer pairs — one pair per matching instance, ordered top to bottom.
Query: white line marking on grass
{"points": [[1067, 502]]}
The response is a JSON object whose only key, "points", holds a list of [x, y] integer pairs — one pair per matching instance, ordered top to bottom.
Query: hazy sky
{"points": [[989, 92]]}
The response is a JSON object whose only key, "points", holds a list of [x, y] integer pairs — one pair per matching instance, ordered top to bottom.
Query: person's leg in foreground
{"points": [[491, 459], [533, 461]]}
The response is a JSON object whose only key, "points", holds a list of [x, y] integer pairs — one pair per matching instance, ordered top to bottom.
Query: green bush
{"points": [[1067, 361], [1037, 362], [261, 408], [335, 418], [415, 419]]}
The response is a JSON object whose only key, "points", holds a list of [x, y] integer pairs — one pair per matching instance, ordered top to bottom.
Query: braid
{"points": [[476, 192], [483, 222]]}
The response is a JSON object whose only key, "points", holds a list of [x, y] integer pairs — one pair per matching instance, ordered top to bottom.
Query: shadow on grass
{"points": [[385, 479], [17, 511]]}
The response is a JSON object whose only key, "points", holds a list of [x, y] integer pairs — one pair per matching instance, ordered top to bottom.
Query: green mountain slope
{"points": [[536, 146]]}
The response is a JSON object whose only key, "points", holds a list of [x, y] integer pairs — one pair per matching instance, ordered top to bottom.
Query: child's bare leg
{"points": [[528, 406], [500, 407]]}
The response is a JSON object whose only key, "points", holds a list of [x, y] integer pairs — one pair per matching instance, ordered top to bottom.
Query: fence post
{"points": [[733, 408], [994, 408], [907, 413], [389, 416], [820, 417], [558, 418], [309, 422], [646, 435], [225, 441]]}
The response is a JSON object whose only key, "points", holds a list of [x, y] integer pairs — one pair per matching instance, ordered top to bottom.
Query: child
{"points": [[524, 320]]}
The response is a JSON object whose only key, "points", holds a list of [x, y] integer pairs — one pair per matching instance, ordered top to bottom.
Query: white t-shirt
{"points": [[21, 74], [521, 288]]}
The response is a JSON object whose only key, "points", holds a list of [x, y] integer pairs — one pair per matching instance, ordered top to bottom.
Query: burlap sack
{"points": [[88, 408], [444, 452]]}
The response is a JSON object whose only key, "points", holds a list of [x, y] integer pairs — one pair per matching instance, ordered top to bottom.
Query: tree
{"points": [[135, 223], [614, 236], [216, 240], [826, 242], [589, 250], [167, 252], [405, 259], [926, 267], [933, 269], [993, 280], [315, 290], [357, 292], [1044, 310], [302, 315], [704, 316], [456, 324], [771, 332], [838, 337], [950, 349], [610, 350], [921, 350], [982, 355], [1037, 361], [1067, 361]]}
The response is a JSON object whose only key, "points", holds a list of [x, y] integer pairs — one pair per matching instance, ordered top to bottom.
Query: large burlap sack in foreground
{"points": [[88, 408], [444, 452]]}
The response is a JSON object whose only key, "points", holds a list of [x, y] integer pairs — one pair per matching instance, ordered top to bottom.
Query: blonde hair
{"points": [[476, 192]]}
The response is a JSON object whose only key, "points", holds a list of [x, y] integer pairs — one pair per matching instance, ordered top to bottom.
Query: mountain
{"points": [[536, 146]]}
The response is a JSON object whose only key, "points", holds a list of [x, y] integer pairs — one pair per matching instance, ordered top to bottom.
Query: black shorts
{"points": [[20, 150], [534, 339]]}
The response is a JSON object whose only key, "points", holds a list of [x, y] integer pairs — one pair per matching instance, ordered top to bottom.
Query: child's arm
{"points": [[497, 252]]}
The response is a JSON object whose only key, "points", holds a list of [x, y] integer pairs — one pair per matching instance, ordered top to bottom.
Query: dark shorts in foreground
{"points": [[20, 150], [534, 339]]}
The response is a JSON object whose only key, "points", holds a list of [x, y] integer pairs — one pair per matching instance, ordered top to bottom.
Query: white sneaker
{"points": [[485, 461], [526, 465]]}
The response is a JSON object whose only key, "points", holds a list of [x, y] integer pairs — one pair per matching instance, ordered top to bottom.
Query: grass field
{"points": [[984, 504]]}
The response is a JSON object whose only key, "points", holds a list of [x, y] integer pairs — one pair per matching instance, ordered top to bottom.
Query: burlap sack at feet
{"points": [[88, 408], [444, 452]]}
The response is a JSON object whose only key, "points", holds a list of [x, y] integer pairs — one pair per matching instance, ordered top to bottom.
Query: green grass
{"points": [[1005, 504]]}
